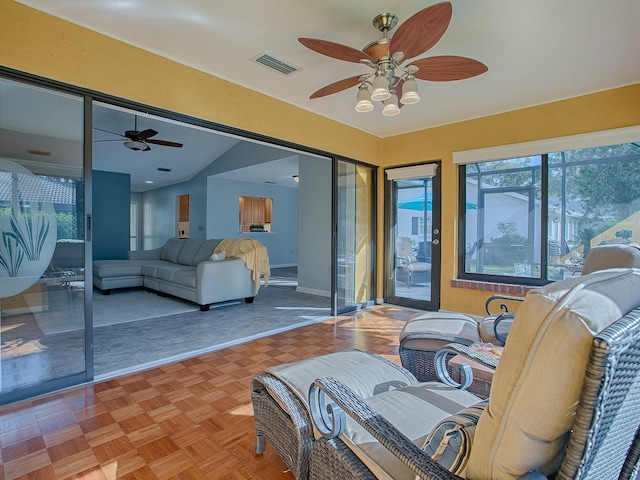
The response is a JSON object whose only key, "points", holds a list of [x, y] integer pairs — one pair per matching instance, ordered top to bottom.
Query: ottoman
{"points": [[280, 398]]}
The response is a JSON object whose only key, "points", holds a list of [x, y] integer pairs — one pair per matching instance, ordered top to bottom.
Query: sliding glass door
{"points": [[42, 248], [354, 279]]}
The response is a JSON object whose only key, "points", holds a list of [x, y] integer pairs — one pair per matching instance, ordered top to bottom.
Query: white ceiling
{"points": [[537, 51]]}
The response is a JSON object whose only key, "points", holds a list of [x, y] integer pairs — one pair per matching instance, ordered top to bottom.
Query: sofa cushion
{"points": [[206, 249], [171, 250], [189, 250], [117, 268], [150, 268], [167, 272], [186, 278], [537, 385], [430, 402], [451, 440]]}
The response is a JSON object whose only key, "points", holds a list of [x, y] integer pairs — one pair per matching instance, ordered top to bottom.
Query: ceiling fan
{"points": [[386, 58], [139, 140]]}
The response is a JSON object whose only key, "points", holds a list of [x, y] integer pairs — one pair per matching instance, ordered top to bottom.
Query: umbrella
{"points": [[417, 203]]}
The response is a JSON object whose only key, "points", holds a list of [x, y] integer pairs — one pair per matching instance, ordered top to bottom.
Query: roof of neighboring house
{"points": [[60, 192]]}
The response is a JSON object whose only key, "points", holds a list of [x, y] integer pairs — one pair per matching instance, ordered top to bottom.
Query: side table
{"points": [[482, 376]]}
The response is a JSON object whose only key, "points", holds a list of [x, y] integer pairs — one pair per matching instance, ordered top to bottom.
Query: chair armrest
{"points": [[503, 306], [466, 374], [330, 420]]}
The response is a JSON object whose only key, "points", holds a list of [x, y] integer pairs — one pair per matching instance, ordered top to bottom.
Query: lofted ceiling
{"points": [[536, 51]]}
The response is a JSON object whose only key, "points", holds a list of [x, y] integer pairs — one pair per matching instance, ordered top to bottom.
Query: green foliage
{"points": [[67, 225], [510, 235]]}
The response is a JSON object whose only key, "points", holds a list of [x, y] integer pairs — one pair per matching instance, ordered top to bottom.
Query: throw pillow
{"points": [[218, 256], [450, 441]]}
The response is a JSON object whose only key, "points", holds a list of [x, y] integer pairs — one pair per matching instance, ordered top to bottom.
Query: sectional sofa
{"points": [[183, 268]]}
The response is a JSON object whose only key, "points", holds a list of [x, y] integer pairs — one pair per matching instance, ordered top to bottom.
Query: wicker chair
{"points": [[424, 334], [565, 401]]}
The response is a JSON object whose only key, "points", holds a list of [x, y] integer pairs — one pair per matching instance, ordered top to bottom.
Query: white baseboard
{"points": [[284, 265], [314, 291], [379, 301]]}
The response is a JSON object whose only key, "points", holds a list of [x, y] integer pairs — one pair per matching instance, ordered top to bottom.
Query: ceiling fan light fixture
{"points": [[380, 88], [410, 91], [363, 99], [391, 107], [135, 145]]}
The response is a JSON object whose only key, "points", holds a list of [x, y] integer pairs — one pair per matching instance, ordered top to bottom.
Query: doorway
{"points": [[413, 263]]}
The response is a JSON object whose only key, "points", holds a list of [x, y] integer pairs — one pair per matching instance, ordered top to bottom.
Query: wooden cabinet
{"points": [[255, 211]]}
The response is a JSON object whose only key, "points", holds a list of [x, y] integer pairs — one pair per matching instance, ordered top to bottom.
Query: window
{"points": [[255, 214], [535, 218], [417, 226]]}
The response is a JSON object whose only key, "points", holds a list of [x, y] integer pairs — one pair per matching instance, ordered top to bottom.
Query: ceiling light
{"points": [[380, 88], [410, 91], [363, 99], [391, 107], [135, 145], [296, 178], [148, 181]]}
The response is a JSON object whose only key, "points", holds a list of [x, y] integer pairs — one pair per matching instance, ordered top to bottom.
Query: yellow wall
{"points": [[43, 45]]}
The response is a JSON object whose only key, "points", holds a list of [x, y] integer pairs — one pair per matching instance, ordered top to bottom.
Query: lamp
{"points": [[380, 88], [410, 91], [363, 99], [391, 107], [135, 145]]}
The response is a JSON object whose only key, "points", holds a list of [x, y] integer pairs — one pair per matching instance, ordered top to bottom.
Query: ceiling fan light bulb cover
{"points": [[380, 89], [410, 92], [363, 100], [391, 106], [134, 145]]}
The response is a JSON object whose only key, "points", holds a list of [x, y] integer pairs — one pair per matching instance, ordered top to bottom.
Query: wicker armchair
{"points": [[423, 335], [565, 402]]}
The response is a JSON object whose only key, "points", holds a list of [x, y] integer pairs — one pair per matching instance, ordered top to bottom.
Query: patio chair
{"points": [[408, 265], [425, 333], [564, 402]]}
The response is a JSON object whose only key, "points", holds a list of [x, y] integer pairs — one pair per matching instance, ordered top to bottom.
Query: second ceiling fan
{"points": [[386, 57], [139, 140]]}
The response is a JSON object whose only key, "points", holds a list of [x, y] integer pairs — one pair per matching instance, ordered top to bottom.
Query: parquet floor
{"points": [[186, 420]]}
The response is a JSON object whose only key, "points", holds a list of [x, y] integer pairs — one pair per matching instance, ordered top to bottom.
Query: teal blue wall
{"points": [[111, 198]]}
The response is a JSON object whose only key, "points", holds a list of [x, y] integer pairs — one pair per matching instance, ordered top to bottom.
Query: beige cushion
{"points": [[612, 256], [446, 326], [366, 374], [538, 381], [414, 410]]}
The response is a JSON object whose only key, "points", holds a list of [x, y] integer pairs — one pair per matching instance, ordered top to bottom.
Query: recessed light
{"points": [[148, 181]]}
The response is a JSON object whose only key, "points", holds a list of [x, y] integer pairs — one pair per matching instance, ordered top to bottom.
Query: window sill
{"points": [[491, 287]]}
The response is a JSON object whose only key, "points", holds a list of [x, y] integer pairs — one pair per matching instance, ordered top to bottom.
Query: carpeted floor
{"points": [[121, 306]]}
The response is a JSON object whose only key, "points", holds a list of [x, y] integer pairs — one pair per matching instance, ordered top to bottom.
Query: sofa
{"points": [[185, 268]]}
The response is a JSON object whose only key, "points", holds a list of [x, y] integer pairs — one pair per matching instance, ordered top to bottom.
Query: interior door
{"points": [[413, 240]]}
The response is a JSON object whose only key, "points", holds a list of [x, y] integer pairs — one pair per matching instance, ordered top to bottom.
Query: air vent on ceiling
{"points": [[273, 63], [164, 169]]}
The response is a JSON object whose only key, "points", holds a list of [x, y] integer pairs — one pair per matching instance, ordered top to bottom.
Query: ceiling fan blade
{"points": [[421, 31], [335, 50], [447, 68], [336, 87], [147, 133], [165, 143]]}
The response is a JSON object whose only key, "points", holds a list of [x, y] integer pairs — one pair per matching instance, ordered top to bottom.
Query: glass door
{"points": [[354, 242], [42, 248], [413, 266]]}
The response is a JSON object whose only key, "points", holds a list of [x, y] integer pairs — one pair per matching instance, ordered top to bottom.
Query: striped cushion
{"points": [[450, 441]]}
